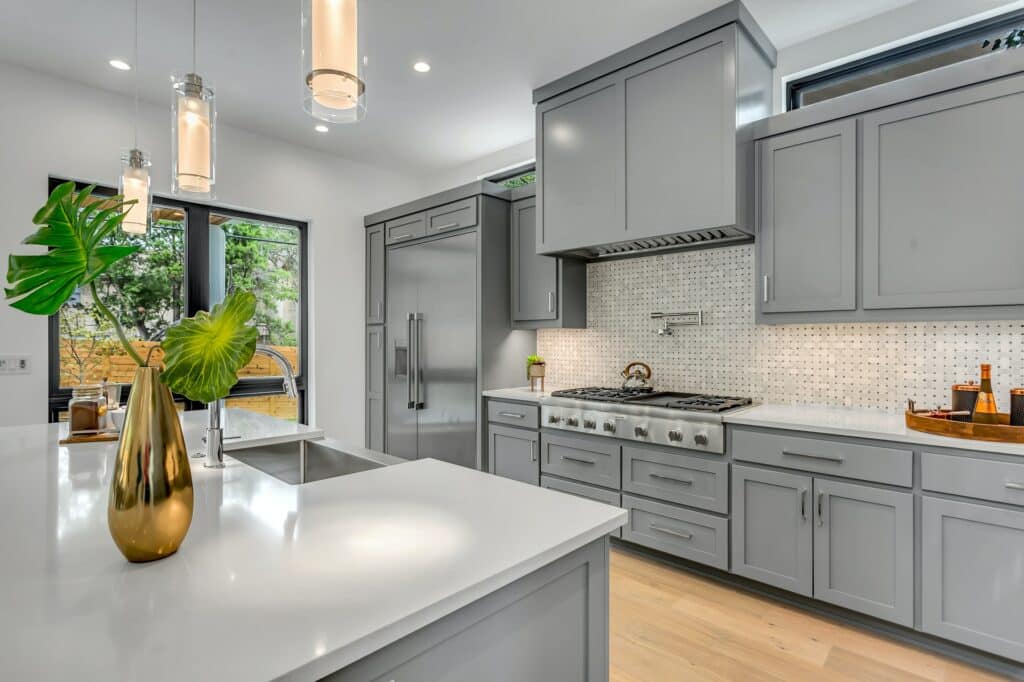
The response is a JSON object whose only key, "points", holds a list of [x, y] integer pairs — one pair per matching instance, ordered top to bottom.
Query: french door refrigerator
{"points": [[432, 379]]}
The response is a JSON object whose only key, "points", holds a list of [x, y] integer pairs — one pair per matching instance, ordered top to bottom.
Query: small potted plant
{"points": [[535, 368]]}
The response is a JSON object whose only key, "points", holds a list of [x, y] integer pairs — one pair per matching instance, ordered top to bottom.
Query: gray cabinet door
{"points": [[681, 138], [580, 161], [942, 200], [808, 220], [375, 274], [534, 277], [375, 388], [514, 453], [772, 532], [864, 549], [972, 591]]}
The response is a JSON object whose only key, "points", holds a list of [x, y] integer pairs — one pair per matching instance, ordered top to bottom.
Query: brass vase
{"points": [[150, 506]]}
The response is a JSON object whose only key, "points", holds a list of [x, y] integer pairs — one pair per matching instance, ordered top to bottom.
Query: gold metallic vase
{"points": [[150, 507]]}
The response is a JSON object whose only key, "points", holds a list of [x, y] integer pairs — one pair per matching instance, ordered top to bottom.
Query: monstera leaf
{"points": [[73, 227], [203, 354]]}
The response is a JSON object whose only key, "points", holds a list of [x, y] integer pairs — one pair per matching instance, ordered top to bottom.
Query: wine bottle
{"points": [[985, 411]]}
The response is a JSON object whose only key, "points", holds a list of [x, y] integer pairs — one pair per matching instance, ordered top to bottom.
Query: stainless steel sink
{"points": [[305, 461]]}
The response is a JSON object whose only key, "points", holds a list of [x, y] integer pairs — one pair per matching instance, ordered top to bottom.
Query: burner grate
{"points": [[647, 396]]}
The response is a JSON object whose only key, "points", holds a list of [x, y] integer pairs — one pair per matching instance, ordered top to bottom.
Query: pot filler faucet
{"points": [[215, 436]]}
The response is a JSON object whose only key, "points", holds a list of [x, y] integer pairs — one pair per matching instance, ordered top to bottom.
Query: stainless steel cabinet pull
{"points": [[446, 226], [406, 235], [765, 289], [551, 301], [380, 310], [512, 415], [533, 455], [830, 458], [579, 459], [683, 481], [1013, 485], [803, 503], [821, 518], [669, 531]]}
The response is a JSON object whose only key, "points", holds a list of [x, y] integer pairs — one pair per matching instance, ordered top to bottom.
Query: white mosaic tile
{"points": [[869, 365]]}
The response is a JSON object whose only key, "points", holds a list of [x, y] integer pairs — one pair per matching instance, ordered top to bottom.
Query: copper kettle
{"points": [[636, 375]]}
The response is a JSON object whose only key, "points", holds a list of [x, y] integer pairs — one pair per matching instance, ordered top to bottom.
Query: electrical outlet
{"points": [[15, 364]]}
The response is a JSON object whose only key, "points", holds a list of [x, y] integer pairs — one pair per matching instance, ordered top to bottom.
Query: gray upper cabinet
{"points": [[680, 126], [580, 152], [942, 200], [453, 216], [807, 226], [405, 228], [375, 274], [546, 291], [375, 407], [514, 453], [772, 533], [864, 549], [971, 586]]}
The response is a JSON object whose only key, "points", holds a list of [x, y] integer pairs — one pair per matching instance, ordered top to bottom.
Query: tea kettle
{"points": [[636, 375]]}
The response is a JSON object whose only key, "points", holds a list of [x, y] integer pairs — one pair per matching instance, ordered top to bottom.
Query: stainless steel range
{"points": [[684, 420]]}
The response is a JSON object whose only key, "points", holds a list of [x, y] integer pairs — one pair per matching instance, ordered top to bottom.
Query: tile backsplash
{"points": [[870, 365]]}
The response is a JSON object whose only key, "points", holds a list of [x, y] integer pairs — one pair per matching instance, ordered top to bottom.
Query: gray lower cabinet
{"points": [[940, 195], [807, 227], [375, 250], [375, 407], [514, 453], [590, 460], [674, 477], [591, 492], [689, 534], [772, 536], [864, 549], [972, 589]]}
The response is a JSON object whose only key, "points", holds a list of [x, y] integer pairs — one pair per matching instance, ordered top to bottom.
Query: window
{"points": [[936, 51], [515, 176], [192, 255]]}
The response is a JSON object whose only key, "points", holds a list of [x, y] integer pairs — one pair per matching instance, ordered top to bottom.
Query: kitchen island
{"points": [[415, 571]]}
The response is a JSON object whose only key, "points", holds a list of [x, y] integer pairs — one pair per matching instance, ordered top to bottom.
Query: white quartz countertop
{"points": [[519, 393], [859, 423], [273, 580]]}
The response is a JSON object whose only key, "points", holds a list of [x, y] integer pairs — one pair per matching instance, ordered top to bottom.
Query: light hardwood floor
{"points": [[667, 624]]}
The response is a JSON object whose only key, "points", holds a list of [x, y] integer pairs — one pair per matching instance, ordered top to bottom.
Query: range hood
{"points": [[693, 239]]}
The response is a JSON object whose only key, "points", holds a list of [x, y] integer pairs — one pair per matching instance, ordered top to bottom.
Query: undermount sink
{"points": [[305, 461]]}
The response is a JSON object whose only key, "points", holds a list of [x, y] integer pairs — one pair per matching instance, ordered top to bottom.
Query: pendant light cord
{"points": [[195, 32], [136, 145]]}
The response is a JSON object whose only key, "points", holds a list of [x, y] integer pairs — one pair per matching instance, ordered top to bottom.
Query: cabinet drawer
{"points": [[453, 216], [403, 229], [513, 414], [851, 460], [591, 461], [669, 476], [972, 477], [583, 490], [684, 533]]}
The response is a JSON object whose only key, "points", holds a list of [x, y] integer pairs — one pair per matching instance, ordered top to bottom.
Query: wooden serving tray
{"points": [[998, 433], [90, 438]]}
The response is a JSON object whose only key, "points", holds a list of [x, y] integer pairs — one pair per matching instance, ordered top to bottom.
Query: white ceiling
{"points": [[487, 56]]}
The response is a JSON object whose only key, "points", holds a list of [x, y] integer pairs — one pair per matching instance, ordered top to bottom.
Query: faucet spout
{"points": [[290, 388]]}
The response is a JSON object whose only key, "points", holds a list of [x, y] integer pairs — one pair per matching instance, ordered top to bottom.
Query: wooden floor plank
{"points": [[667, 624]]}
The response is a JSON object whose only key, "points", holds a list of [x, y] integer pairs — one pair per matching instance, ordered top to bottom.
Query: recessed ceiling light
{"points": [[120, 64], [422, 67], [321, 128]]}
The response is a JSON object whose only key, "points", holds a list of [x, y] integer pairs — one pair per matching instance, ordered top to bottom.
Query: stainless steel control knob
{"points": [[553, 419], [572, 421], [589, 424], [609, 426], [640, 431], [675, 435], [700, 438]]}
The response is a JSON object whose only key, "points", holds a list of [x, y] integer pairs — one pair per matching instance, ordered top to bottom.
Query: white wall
{"points": [[54, 127], [484, 165]]}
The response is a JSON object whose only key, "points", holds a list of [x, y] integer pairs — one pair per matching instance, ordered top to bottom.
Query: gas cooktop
{"points": [[649, 397]]}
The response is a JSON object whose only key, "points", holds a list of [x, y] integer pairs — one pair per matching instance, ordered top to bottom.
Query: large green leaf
{"points": [[73, 227], [203, 354]]}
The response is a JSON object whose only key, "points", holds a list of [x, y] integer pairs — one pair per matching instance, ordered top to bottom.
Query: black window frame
{"points": [[980, 30], [197, 297]]}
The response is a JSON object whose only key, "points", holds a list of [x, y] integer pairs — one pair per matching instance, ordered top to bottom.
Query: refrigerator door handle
{"points": [[410, 402], [420, 403]]}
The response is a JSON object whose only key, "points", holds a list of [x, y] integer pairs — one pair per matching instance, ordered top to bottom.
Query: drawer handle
{"points": [[446, 226], [401, 236], [512, 415], [830, 458], [579, 459], [682, 481], [1013, 485], [803, 503], [669, 531]]}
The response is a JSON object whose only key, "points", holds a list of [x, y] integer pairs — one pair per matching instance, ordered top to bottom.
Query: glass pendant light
{"points": [[333, 61], [194, 127], [134, 183]]}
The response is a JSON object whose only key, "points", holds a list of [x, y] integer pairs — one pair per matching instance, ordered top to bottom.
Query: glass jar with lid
{"points": [[87, 410]]}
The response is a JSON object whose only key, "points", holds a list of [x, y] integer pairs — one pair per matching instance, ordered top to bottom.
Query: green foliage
{"points": [[1014, 39], [520, 181], [74, 228], [203, 354], [533, 360]]}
